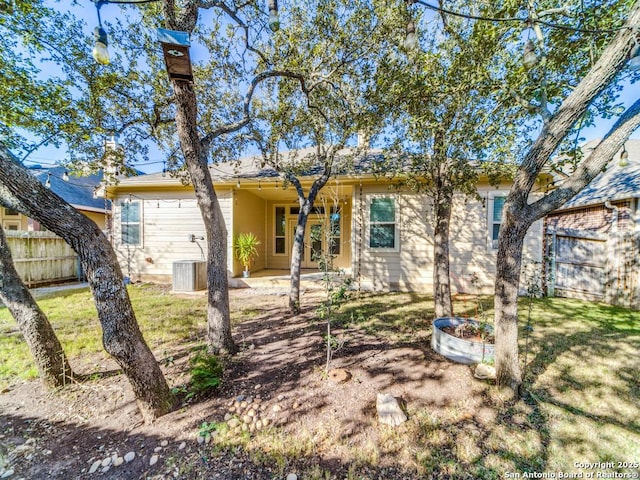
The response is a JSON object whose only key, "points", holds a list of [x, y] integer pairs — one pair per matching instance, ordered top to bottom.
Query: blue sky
{"points": [[85, 9]]}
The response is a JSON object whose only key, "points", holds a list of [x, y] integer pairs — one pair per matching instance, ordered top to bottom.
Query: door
{"points": [[312, 248]]}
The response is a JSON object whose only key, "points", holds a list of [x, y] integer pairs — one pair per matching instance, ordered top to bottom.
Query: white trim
{"points": [[140, 202], [396, 223], [6, 224], [287, 240], [491, 244]]}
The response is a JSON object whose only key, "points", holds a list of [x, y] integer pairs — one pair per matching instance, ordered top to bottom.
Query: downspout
{"points": [[614, 218], [614, 275]]}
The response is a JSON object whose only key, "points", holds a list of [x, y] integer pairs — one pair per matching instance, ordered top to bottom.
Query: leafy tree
{"points": [[331, 47], [567, 78], [29, 108], [447, 116], [52, 363]]}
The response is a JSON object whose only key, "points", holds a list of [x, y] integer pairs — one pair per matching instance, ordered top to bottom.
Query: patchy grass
{"points": [[167, 322], [582, 381], [582, 403]]}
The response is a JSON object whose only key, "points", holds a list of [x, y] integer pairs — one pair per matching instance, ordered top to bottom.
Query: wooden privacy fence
{"points": [[42, 257], [594, 266]]}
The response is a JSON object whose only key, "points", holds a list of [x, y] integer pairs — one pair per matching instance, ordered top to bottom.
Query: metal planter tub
{"points": [[458, 349]]}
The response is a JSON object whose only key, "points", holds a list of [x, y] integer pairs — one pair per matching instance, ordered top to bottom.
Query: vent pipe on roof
{"points": [[363, 140]]}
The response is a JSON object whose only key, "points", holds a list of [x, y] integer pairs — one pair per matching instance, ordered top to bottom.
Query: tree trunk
{"points": [[306, 204], [518, 215], [510, 245], [297, 253], [441, 277], [218, 317], [121, 336], [53, 367]]}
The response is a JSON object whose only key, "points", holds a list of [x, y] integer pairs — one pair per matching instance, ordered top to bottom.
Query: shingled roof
{"points": [[615, 183], [77, 191]]}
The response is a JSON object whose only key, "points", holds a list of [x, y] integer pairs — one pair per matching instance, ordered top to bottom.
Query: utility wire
{"points": [[515, 19]]}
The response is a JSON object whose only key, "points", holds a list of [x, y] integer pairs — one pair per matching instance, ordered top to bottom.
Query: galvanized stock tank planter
{"points": [[458, 349]]}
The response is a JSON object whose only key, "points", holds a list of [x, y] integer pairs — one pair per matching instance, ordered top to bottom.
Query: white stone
{"points": [[484, 372], [277, 408], [389, 411], [227, 416], [234, 422], [200, 439], [164, 443], [182, 446], [157, 449], [129, 456], [153, 460], [118, 461], [106, 462], [94, 466], [106, 469], [7, 474], [292, 476]]}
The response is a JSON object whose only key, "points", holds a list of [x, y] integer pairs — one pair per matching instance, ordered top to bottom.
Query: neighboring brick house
{"points": [[592, 242]]}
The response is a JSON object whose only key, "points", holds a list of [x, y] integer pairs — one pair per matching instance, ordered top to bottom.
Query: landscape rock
{"points": [[484, 372], [339, 375], [277, 408], [389, 411], [233, 422], [200, 439], [164, 443], [182, 446], [129, 457], [153, 460], [118, 461], [106, 462], [95, 466], [7, 474], [292, 476]]}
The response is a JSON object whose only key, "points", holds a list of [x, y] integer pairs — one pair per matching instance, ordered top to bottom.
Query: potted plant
{"points": [[245, 248]]}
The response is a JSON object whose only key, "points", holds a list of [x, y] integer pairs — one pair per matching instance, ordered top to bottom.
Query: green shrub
{"points": [[206, 373]]}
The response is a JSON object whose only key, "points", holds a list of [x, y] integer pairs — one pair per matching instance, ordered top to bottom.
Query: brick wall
{"points": [[596, 218]]}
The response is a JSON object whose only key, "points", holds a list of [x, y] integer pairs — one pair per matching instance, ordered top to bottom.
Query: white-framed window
{"points": [[496, 204], [9, 212], [131, 222], [383, 224], [11, 225], [280, 230]]}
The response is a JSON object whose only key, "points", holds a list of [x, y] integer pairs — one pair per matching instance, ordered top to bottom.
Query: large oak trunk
{"points": [[510, 245], [441, 278], [218, 317], [121, 335], [52, 363]]}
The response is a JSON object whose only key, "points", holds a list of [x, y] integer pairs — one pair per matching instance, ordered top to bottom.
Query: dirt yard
{"points": [[310, 426]]}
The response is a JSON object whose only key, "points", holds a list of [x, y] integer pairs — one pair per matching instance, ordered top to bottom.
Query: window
{"points": [[8, 212], [496, 219], [130, 221], [11, 225], [383, 231], [280, 233], [335, 235]]}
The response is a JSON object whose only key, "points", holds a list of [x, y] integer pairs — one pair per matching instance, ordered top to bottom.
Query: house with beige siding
{"points": [[380, 233]]}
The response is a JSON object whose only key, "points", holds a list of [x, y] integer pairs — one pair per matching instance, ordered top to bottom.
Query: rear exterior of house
{"points": [[380, 234]]}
